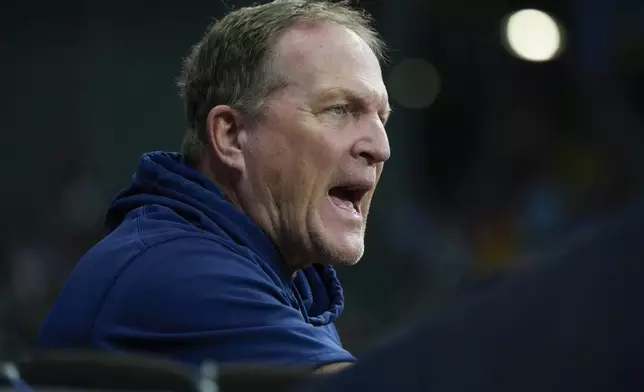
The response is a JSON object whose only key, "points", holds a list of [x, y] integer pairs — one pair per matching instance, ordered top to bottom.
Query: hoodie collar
{"points": [[164, 178]]}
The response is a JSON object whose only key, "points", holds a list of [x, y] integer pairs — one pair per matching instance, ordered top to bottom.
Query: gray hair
{"points": [[231, 65]]}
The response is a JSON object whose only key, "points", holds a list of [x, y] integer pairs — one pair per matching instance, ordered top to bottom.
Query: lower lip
{"points": [[343, 209]]}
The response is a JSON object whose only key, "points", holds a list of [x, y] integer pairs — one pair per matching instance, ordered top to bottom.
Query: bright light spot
{"points": [[533, 35], [414, 83]]}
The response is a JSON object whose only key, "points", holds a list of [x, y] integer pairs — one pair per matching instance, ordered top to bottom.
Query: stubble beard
{"points": [[324, 253]]}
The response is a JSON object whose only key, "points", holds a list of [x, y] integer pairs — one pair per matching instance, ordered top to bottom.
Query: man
{"points": [[226, 252]]}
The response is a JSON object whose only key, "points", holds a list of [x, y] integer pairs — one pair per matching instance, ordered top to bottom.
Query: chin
{"points": [[340, 251]]}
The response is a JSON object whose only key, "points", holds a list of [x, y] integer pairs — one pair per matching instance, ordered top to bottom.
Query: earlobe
{"points": [[224, 129]]}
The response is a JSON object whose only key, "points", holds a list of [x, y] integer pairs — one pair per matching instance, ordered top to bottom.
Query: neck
{"points": [[207, 168]]}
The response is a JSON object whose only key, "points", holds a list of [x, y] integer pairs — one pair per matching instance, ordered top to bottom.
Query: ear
{"points": [[225, 133]]}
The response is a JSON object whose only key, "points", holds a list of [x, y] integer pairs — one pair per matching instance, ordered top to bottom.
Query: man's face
{"points": [[313, 161]]}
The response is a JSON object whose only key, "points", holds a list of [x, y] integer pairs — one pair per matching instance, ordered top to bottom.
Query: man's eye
{"points": [[338, 110]]}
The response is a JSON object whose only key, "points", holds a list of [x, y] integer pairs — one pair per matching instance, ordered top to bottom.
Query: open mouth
{"points": [[348, 197]]}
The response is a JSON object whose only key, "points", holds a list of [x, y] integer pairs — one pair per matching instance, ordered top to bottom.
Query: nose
{"points": [[373, 145]]}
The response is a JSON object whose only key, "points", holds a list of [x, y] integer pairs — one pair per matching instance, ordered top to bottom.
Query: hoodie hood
{"points": [[164, 179]]}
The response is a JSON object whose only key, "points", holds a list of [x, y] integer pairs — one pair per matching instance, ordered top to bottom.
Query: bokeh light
{"points": [[533, 35], [414, 83]]}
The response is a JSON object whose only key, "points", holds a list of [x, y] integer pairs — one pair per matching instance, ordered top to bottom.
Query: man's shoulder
{"points": [[152, 224], [161, 234], [148, 253], [196, 253], [161, 255], [195, 266], [122, 276]]}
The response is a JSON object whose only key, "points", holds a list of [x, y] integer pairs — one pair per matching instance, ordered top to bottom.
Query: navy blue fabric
{"points": [[185, 275], [575, 325]]}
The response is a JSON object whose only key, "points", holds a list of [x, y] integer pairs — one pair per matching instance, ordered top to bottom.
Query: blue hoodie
{"points": [[185, 275]]}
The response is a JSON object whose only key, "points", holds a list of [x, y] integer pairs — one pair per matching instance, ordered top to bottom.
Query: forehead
{"points": [[323, 57]]}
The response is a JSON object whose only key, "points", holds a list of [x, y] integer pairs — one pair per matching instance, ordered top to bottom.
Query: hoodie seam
{"points": [[144, 212]]}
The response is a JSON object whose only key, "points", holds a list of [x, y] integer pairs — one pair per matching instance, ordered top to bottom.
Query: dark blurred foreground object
{"points": [[577, 324], [80, 370], [97, 371]]}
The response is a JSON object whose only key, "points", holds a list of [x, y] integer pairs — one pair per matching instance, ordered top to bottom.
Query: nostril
{"points": [[368, 157]]}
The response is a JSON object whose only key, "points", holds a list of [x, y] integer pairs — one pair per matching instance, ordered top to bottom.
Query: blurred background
{"points": [[517, 126]]}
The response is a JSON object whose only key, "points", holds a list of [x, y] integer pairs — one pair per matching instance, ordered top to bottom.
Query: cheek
{"points": [[313, 155], [266, 163], [296, 164], [319, 164], [288, 173]]}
